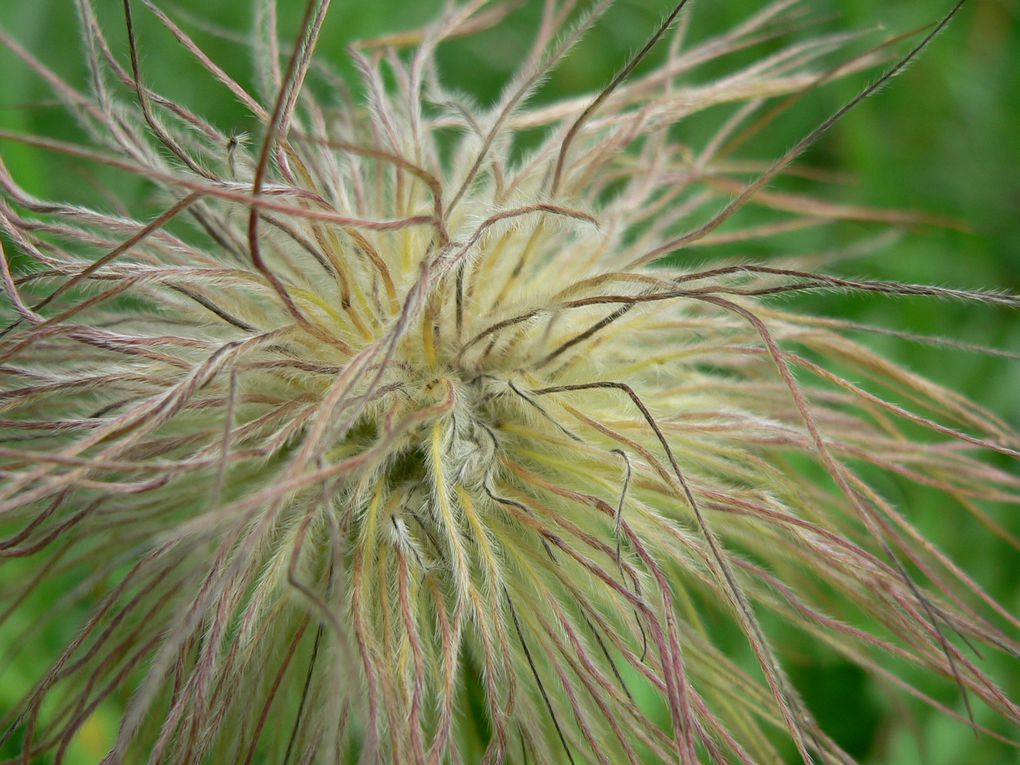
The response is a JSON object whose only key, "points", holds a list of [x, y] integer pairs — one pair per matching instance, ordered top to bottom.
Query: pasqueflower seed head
{"points": [[407, 431]]}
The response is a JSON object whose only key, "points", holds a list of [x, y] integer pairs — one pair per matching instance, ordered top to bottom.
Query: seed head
{"points": [[401, 435]]}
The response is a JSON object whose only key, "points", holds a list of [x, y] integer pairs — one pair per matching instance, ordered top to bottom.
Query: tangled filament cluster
{"points": [[393, 439]]}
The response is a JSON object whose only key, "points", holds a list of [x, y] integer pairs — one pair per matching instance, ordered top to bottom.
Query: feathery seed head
{"points": [[393, 438]]}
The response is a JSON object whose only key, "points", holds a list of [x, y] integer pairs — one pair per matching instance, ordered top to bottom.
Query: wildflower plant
{"points": [[408, 432]]}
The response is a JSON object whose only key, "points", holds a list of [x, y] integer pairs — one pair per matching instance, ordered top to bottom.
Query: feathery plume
{"points": [[394, 437]]}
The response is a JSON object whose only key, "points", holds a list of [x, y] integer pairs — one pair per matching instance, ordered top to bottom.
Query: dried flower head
{"points": [[404, 433]]}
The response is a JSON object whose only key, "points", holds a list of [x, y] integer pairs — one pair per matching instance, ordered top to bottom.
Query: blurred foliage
{"points": [[944, 137]]}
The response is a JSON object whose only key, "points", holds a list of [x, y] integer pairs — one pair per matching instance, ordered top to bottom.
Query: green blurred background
{"points": [[944, 137]]}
